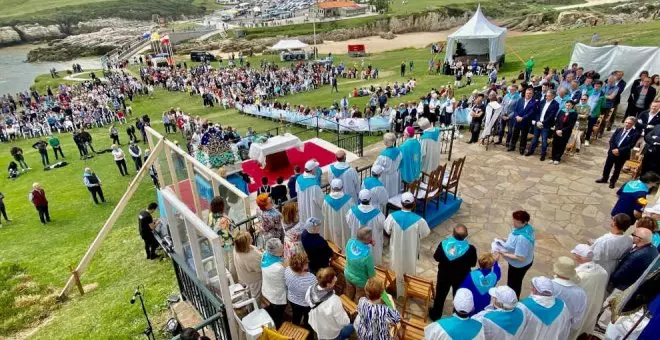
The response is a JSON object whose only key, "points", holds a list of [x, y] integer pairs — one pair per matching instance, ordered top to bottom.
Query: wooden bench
{"points": [[388, 278], [349, 306], [412, 330], [293, 332]]}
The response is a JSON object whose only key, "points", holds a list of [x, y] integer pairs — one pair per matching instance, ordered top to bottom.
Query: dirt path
{"points": [[591, 3]]}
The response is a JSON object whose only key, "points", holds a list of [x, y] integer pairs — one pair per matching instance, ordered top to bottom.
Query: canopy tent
{"points": [[478, 37], [289, 45], [629, 59]]}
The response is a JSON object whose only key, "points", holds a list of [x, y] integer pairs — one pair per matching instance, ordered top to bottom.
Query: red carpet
{"points": [[312, 150], [187, 198]]}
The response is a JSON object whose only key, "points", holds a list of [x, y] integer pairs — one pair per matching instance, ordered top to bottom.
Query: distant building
{"points": [[334, 8]]}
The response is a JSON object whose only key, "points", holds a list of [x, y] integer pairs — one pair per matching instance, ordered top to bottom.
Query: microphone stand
{"points": [[149, 330]]}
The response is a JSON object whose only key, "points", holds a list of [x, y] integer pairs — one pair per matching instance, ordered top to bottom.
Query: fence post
{"points": [[317, 127], [361, 142], [451, 144]]}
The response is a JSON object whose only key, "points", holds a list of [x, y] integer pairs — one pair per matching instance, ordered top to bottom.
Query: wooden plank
{"points": [[150, 134], [170, 165], [193, 187], [219, 255]]}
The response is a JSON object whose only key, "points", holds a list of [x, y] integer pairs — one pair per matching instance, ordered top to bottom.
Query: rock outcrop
{"points": [[9, 36]]}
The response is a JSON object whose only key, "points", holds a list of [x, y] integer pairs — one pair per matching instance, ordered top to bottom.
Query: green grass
{"points": [[44, 253]]}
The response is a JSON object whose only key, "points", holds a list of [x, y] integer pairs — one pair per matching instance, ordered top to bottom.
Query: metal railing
{"points": [[353, 143], [364, 172]]}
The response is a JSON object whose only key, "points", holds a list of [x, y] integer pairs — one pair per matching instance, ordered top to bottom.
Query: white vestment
{"points": [[493, 111], [430, 151], [391, 176], [349, 177], [379, 197], [310, 200], [335, 226], [376, 226], [404, 247], [609, 248], [593, 278], [574, 297], [623, 325], [536, 329], [494, 331], [435, 332]]}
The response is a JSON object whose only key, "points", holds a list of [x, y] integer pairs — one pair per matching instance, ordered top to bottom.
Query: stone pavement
{"points": [[566, 206]]}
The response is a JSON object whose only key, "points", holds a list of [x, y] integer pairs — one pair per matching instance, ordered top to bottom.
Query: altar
{"points": [[272, 154]]}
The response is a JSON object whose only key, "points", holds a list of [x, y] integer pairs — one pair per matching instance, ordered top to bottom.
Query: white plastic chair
{"points": [[251, 324]]}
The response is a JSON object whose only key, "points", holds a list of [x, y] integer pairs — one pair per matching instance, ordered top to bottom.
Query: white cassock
{"points": [[493, 111], [431, 148], [390, 159], [348, 176], [378, 192], [310, 197], [360, 216], [335, 227], [406, 229], [609, 248], [593, 279], [575, 299], [547, 318], [501, 324], [623, 325], [453, 327]]}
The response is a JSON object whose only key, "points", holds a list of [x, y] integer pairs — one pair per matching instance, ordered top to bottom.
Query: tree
{"points": [[381, 6]]}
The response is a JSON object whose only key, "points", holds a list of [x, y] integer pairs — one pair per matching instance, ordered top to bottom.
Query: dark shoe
{"points": [[498, 143], [509, 149], [522, 152], [528, 154], [542, 158], [602, 180], [612, 185]]}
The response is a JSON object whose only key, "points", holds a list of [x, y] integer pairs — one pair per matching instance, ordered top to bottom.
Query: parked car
{"points": [[202, 56]]}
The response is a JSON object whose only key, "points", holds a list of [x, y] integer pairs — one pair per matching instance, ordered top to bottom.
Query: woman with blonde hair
{"points": [[271, 219], [292, 230], [247, 259], [480, 280], [376, 313], [327, 317]]}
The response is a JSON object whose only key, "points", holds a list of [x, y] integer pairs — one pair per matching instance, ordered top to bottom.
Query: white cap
{"points": [[311, 165], [377, 169], [336, 184], [365, 195], [407, 197], [651, 210], [312, 222], [583, 250], [543, 285], [504, 295], [463, 301]]}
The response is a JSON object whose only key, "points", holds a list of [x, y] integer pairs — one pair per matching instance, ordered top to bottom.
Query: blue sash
{"points": [[432, 134], [391, 153], [411, 164], [338, 172], [319, 173], [306, 182], [372, 182], [635, 186], [337, 203], [363, 217], [405, 218], [527, 232], [655, 239], [459, 247], [356, 250], [269, 259], [483, 282], [546, 315], [510, 321], [460, 329]]}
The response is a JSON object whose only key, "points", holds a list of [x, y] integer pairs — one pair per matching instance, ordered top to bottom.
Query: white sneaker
{"points": [[586, 143], [551, 161], [555, 162]]}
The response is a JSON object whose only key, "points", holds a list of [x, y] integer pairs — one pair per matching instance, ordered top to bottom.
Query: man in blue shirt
{"points": [[292, 182]]}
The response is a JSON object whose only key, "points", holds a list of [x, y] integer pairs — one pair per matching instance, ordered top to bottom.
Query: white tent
{"points": [[479, 37], [289, 45], [629, 59]]}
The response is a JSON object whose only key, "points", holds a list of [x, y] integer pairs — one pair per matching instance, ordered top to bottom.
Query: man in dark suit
{"points": [[641, 98], [524, 110], [648, 119], [543, 121], [621, 144], [651, 161], [633, 264]]}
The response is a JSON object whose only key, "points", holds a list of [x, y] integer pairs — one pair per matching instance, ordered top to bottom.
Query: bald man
{"points": [[347, 174], [633, 264]]}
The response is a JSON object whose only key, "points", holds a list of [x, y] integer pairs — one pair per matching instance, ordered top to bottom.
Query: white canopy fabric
{"points": [[478, 36], [289, 45], [629, 59]]}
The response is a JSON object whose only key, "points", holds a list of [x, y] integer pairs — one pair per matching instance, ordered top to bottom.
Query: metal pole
{"points": [[451, 144]]}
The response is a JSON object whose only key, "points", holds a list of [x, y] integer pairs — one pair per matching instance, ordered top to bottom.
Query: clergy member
{"points": [[431, 145], [390, 160], [411, 161], [346, 173], [372, 183], [310, 195], [335, 207], [366, 215], [406, 229], [609, 248], [455, 257], [593, 279], [565, 288], [547, 317], [502, 319], [459, 325]]}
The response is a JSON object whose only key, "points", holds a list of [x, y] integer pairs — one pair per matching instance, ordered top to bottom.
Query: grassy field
{"points": [[44, 253]]}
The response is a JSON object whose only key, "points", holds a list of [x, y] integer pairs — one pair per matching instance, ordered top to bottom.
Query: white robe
{"points": [[493, 111], [430, 153], [391, 176], [350, 179], [379, 197], [310, 201], [335, 226], [376, 226], [404, 248], [609, 248], [593, 278], [575, 299], [623, 325], [535, 329], [494, 331], [435, 332]]}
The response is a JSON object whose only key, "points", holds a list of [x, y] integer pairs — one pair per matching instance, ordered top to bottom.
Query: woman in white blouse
{"points": [[120, 159], [273, 286], [327, 316]]}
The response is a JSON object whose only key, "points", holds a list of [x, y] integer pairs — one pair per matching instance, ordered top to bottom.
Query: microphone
{"points": [[137, 292]]}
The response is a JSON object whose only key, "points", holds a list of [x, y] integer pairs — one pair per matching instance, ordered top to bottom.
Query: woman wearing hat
{"points": [[316, 247], [273, 287], [565, 288]]}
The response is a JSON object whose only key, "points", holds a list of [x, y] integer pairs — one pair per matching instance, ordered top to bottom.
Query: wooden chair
{"points": [[596, 128], [633, 166], [451, 181], [431, 189], [395, 201], [335, 249], [338, 263], [388, 278], [418, 288], [349, 306], [411, 331]]}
